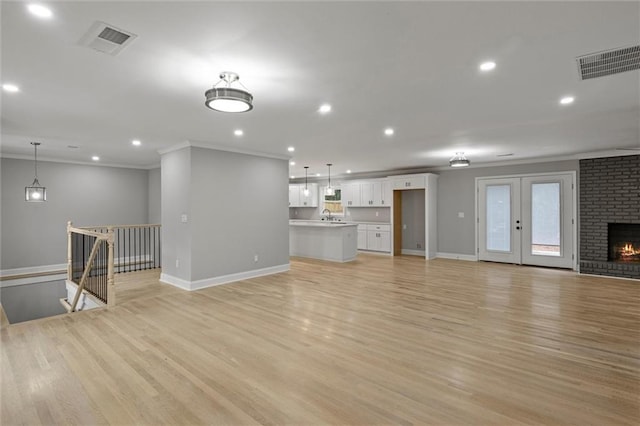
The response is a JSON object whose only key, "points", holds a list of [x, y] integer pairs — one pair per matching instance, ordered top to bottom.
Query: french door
{"points": [[527, 220]]}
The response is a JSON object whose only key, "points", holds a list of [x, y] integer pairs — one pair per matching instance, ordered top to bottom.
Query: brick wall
{"points": [[609, 193]]}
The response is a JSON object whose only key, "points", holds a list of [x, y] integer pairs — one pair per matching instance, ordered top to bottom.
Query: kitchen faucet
{"points": [[328, 217]]}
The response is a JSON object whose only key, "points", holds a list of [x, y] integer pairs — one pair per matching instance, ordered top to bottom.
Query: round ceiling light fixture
{"points": [[227, 98], [459, 160]]}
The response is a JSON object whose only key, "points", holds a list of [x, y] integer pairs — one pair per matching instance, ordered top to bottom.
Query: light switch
{"points": [[460, 214], [183, 218], [404, 226]]}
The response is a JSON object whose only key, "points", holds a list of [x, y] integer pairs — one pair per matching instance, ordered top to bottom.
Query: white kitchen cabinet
{"points": [[408, 182], [375, 193], [386, 193], [350, 194], [367, 194], [294, 195], [298, 199], [310, 200], [362, 237], [378, 237]]}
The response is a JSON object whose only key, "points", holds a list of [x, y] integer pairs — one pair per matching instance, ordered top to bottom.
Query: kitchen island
{"points": [[334, 241]]}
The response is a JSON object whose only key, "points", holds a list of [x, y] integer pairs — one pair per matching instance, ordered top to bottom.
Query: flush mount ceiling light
{"points": [[227, 98], [459, 160], [330, 190], [35, 192]]}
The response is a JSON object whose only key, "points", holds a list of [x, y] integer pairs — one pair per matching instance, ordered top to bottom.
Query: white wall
{"points": [[35, 234]]}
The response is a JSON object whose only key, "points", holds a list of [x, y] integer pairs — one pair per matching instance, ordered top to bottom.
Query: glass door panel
{"points": [[498, 212], [498, 215], [545, 219]]}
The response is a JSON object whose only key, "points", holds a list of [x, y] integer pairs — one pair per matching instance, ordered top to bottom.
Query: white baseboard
{"points": [[413, 252], [456, 256], [47, 272], [223, 279]]}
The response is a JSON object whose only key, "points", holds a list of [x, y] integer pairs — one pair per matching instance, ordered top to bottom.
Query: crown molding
{"points": [[217, 147], [80, 163]]}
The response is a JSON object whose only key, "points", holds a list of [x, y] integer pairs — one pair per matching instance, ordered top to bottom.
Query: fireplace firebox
{"points": [[624, 242]]}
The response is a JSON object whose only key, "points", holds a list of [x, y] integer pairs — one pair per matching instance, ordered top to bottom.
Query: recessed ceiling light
{"points": [[40, 11], [487, 66], [12, 88], [567, 100], [324, 108], [389, 131], [238, 132], [136, 142], [291, 149], [95, 158], [292, 163], [349, 171], [318, 174], [292, 177]]}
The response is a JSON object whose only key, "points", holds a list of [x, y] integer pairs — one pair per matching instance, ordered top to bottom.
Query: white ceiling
{"points": [[409, 65]]}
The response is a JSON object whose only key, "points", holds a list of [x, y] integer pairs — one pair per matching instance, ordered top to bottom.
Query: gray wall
{"points": [[154, 185], [456, 193], [175, 202], [241, 210], [244, 213], [413, 219], [34, 234], [32, 301]]}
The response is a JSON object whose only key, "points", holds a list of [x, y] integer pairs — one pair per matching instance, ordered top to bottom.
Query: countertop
{"points": [[346, 222]]}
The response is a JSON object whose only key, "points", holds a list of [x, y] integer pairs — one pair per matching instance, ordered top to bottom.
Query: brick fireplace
{"points": [[610, 216]]}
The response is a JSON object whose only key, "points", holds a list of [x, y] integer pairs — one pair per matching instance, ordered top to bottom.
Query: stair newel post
{"points": [[69, 253], [111, 290]]}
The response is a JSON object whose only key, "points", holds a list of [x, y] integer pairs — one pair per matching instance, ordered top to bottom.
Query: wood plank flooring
{"points": [[381, 340]]}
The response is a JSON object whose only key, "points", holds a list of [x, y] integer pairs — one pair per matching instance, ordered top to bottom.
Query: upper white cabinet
{"points": [[408, 182], [374, 193], [350, 194], [294, 195], [297, 198]]}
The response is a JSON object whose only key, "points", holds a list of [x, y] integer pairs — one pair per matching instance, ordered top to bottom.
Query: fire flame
{"points": [[628, 250]]}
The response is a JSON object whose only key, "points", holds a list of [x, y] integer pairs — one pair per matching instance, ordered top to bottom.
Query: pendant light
{"points": [[227, 98], [459, 160], [306, 189], [329, 190], [35, 192]]}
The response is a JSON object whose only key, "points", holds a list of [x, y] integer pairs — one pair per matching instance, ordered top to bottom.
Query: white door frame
{"points": [[574, 221]]}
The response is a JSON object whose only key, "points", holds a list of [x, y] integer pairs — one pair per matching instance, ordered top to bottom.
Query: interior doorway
{"points": [[409, 222]]}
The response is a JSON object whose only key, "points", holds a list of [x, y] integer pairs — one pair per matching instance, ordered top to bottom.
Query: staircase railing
{"points": [[96, 253]]}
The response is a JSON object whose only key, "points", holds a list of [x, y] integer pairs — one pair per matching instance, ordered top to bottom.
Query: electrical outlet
{"points": [[377, 214], [461, 215], [184, 218], [255, 258], [177, 263]]}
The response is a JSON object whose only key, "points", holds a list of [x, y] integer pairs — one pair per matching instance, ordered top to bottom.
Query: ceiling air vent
{"points": [[106, 38], [608, 62]]}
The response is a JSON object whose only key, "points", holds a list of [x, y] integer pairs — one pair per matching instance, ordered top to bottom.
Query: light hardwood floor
{"points": [[377, 341]]}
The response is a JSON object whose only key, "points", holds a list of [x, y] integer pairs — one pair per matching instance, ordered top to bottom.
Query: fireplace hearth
{"points": [[623, 242]]}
